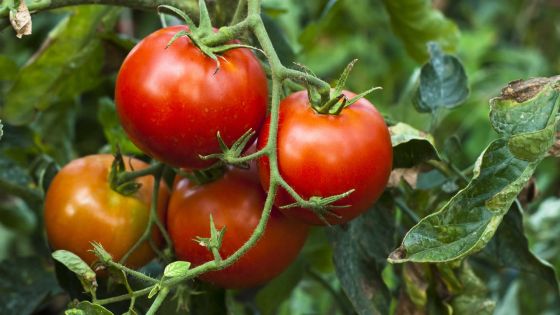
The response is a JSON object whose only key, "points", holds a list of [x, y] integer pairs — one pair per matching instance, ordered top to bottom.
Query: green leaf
{"points": [[417, 23], [68, 64], [7, 68], [443, 82], [107, 116], [1, 129], [54, 131], [411, 146], [16, 215], [467, 222], [510, 249], [360, 251], [77, 266], [176, 269], [24, 284], [279, 289], [473, 299], [87, 308]]}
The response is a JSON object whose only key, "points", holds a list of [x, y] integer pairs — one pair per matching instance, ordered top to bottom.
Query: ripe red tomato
{"points": [[172, 102], [325, 155], [235, 201], [81, 207]]}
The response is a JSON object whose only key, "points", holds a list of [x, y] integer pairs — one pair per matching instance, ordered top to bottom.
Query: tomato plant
{"points": [[173, 100], [324, 155], [235, 203], [80, 208]]}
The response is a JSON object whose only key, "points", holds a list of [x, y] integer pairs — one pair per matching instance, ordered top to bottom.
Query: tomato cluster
{"points": [[172, 102]]}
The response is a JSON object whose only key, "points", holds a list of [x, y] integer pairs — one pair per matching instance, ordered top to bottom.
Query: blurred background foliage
{"points": [[61, 79]]}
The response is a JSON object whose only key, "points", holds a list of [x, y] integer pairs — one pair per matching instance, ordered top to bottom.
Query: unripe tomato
{"points": [[172, 102], [325, 155], [235, 202], [81, 207]]}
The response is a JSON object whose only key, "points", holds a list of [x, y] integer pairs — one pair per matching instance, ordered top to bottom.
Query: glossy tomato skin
{"points": [[172, 102], [325, 155], [235, 201], [80, 208]]}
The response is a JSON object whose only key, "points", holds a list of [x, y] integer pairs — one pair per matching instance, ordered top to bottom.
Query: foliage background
{"points": [[56, 88]]}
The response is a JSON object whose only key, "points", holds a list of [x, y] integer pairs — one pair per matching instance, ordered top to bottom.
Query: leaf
{"points": [[417, 23], [67, 64], [7, 68], [443, 82], [113, 130], [411, 146], [16, 215], [467, 222], [510, 249], [360, 251], [77, 266], [176, 269], [24, 284], [274, 293], [473, 299], [87, 308]]}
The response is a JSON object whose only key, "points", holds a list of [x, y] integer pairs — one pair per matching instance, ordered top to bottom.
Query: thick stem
{"points": [[159, 299]]}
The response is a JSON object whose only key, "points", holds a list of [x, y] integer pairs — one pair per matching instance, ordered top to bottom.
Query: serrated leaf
{"points": [[416, 22], [67, 65], [443, 82], [107, 116], [411, 146], [466, 223], [510, 249], [360, 251], [75, 264], [176, 269], [24, 284], [88, 308]]}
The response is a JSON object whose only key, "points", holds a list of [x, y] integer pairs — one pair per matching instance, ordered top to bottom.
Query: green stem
{"points": [[190, 7], [240, 12], [129, 176], [154, 218], [133, 273], [124, 297], [158, 301]]}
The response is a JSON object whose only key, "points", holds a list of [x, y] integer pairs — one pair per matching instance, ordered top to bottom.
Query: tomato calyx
{"points": [[199, 34], [332, 102], [231, 155], [204, 176], [123, 186], [322, 206], [214, 242]]}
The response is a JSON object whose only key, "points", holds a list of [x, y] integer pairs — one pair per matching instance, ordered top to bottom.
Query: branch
{"points": [[188, 6]]}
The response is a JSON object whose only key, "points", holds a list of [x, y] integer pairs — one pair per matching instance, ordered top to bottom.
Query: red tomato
{"points": [[172, 102], [325, 155], [235, 201], [81, 207]]}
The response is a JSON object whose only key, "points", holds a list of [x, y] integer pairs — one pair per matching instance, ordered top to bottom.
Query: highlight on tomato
{"points": [[172, 101], [322, 155], [235, 202], [81, 207]]}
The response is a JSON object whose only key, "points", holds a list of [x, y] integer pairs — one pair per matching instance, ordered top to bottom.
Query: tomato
{"points": [[172, 102], [325, 155], [235, 202], [81, 207]]}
